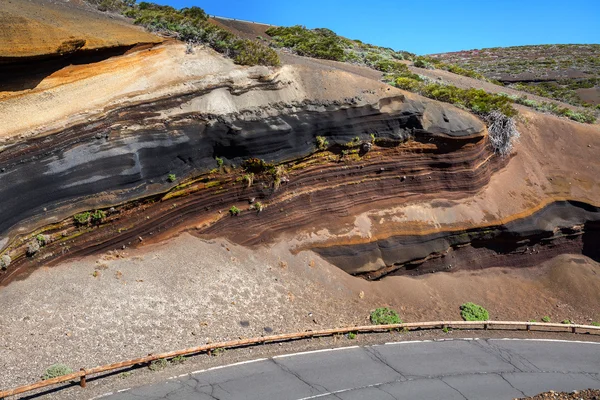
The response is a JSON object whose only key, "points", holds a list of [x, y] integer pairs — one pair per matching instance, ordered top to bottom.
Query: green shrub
{"points": [[317, 43], [249, 52], [421, 63], [322, 143], [219, 161], [256, 165], [171, 177], [249, 179], [258, 206], [234, 211], [98, 216], [82, 218], [42, 239], [473, 312], [385, 316], [546, 319], [566, 321], [595, 323], [351, 335], [178, 360], [159, 364], [56, 370]]}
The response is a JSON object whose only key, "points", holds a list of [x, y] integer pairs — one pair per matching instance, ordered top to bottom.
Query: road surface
{"points": [[448, 370]]}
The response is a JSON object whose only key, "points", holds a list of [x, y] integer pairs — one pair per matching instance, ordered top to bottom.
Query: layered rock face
{"points": [[41, 29], [375, 180]]}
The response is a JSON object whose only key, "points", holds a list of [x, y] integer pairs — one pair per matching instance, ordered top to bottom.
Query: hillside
{"points": [[569, 73], [202, 183]]}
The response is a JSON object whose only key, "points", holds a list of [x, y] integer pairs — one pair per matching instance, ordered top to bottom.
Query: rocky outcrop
{"points": [[163, 141], [129, 151]]}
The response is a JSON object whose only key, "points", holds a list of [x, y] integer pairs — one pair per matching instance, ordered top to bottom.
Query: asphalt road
{"points": [[453, 369]]}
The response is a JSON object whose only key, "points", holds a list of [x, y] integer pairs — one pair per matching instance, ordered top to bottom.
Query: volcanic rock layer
{"points": [[375, 180]]}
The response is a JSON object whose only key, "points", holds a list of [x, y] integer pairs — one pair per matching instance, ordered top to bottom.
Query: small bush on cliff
{"points": [[317, 43], [249, 52], [502, 132], [322, 143], [171, 177], [249, 179], [234, 211], [98, 216], [82, 218], [5, 261], [473, 312], [385, 316], [546, 319], [56, 370]]}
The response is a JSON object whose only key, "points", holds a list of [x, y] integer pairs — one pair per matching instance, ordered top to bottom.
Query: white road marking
{"points": [[550, 340], [409, 341], [316, 351], [225, 366], [343, 390], [102, 395]]}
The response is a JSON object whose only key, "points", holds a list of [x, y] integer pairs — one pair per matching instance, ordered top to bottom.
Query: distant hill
{"points": [[566, 72]]}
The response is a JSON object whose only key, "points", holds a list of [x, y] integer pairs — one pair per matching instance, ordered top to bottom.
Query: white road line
{"points": [[549, 340], [409, 341], [316, 351], [225, 366], [343, 390], [102, 395]]}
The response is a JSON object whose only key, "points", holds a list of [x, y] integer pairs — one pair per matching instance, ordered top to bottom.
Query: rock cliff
{"points": [[376, 180]]}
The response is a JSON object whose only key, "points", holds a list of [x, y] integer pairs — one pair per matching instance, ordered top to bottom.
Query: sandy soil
{"points": [[52, 23], [189, 291]]}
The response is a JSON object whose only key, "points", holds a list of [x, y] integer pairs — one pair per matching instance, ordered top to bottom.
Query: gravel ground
{"points": [[174, 295], [576, 395]]}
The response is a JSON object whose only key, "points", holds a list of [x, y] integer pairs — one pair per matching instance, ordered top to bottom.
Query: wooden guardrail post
{"points": [[82, 381]]}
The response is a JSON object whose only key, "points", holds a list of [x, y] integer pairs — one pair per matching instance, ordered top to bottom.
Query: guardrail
{"points": [[240, 20], [84, 373]]}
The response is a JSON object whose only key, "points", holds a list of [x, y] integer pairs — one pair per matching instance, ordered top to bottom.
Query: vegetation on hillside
{"points": [[192, 26], [325, 44], [501, 62], [433, 63], [552, 71], [562, 89], [473, 312], [385, 316]]}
